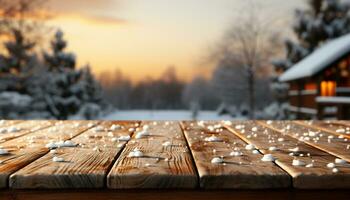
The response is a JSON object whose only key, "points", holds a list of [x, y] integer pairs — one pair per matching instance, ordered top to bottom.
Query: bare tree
{"points": [[249, 44]]}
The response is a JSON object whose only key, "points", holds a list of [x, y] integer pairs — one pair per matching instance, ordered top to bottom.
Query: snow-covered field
{"points": [[163, 115]]}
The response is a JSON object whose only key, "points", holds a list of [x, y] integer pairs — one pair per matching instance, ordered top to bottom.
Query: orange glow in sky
{"points": [[142, 38]]}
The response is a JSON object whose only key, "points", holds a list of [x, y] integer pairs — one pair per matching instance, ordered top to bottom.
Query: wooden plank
{"points": [[21, 128], [337, 128], [262, 136], [325, 141], [24, 150], [164, 160], [84, 166], [246, 171], [100, 194]]}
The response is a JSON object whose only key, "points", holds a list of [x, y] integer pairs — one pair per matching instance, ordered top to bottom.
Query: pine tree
{"points": [[20, 34], [18, 54], [59, 60], [18, 65], [69, 91]]}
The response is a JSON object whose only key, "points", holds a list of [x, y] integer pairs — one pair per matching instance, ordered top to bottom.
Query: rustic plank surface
{"points": [[20, 128], [325, 141], [23, 150], [158, 155], [165, 161], [84, 166], [240, 171], [319, 176]]}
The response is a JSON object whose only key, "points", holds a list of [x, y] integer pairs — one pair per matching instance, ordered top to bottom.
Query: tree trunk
{"points": [[251, 87]]}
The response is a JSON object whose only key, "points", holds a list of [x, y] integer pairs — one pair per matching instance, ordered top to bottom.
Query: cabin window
{"points": [[343, 64], [343, 68], [344, 73], [310, 86], [328, 88]]}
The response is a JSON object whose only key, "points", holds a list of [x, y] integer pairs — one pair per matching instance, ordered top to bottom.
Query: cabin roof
{"points": [[320, 59]]}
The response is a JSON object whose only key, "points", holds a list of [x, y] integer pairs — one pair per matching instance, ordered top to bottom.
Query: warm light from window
{"points": [[343, 64], [310, 86], [328, 88]]}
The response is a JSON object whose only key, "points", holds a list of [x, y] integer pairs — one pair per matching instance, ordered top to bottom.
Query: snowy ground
{"points": [[163, 115]]}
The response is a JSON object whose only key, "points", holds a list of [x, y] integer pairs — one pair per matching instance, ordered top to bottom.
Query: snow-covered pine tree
{"points": [[323, 20], [19, 57], [59, 60], [17, 66], [69, 91], [90, 94]]}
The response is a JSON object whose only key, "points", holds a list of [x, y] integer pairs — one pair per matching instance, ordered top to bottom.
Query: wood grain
{"points": [[24, 127], [339, 147], [23, 150], [84, 166], [160, 166], [245, 172], [317, 177]]}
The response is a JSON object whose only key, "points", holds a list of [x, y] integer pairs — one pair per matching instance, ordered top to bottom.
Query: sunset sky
{"points": [[143, 37]]}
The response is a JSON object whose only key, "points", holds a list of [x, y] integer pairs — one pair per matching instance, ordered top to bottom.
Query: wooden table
{"points": [[174, 160]]}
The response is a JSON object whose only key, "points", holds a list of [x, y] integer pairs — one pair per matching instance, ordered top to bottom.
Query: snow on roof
{"points": [[319, 59]]}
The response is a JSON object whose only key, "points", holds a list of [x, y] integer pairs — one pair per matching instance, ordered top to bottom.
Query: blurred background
{"points": [[166, 59]]}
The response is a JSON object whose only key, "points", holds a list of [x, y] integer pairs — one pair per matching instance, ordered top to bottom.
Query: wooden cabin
{"points": [[320, 83]]}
